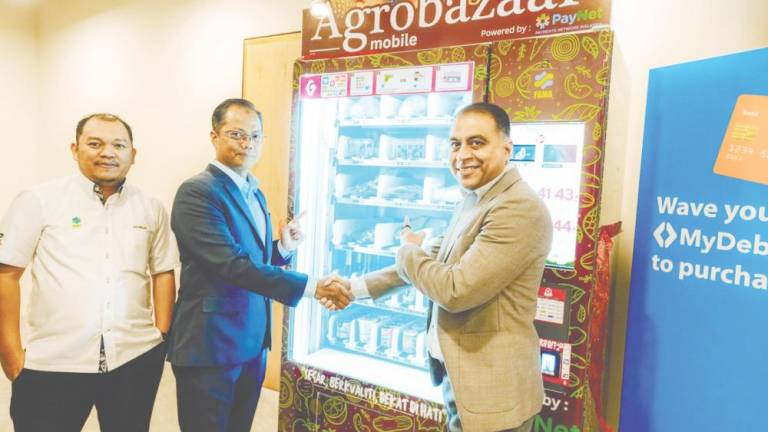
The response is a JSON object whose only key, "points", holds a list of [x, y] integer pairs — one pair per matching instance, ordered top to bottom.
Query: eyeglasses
{"points": [[241, 136]]}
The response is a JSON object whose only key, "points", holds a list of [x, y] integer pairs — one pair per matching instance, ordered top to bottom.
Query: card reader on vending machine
{"points": [[552, 322]]}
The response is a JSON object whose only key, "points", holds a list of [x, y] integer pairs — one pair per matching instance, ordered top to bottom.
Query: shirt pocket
{"points": [[135, 246]]}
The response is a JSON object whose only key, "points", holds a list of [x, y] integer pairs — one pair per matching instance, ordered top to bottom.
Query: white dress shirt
{"points": [[248, 186], [461, 218], [90, 265]]}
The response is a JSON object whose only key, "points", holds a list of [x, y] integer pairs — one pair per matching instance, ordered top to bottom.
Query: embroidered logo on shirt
{"points": [[76, 222], [140, 227]]}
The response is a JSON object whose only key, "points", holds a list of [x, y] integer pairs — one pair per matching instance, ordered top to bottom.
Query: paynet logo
{"points": [[543, 21]]}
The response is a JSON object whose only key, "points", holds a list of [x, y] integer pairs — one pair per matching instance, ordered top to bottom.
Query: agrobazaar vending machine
{"points": [[370, 146]]}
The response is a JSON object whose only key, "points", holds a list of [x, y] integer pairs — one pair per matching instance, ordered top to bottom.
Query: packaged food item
{"points": [[439, 105], [389, 106], [413, 106], [364, 108], [432, 145], [341, 147], [385, 147], [361, 148], [411, 149], [388, 182], [432, 183], [341, 185], [362, 189], [408, 192], [447, 195], [346, 231], [386, 234], [407, 297], [392, 300], [340, 327], [369, 327], [390, 336], [408, 340]]}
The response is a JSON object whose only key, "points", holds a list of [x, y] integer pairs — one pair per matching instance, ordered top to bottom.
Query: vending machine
{"points": [[369, 147]]}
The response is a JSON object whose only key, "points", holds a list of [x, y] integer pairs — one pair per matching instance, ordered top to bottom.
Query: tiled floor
{"points": [[164, 414]]}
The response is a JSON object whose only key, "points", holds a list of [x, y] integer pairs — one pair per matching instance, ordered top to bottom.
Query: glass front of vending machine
{"points": [[373, 149]]}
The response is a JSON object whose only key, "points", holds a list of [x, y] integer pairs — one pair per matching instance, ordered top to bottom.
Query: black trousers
{"points": [[219, 398], [61, 401]]}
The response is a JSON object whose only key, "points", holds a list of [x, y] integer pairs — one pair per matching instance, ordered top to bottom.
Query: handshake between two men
{"points": [[335, 292]]}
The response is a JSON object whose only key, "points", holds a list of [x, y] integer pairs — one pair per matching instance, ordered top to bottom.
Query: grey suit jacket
{"points": [[486, 284]]}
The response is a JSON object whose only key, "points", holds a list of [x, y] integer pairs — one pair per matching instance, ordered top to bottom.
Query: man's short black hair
{"points": [[221, 110], [101, 116], [500, 117]]}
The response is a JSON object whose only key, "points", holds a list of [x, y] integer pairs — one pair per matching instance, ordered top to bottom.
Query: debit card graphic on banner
{"points": [[744, 152]]}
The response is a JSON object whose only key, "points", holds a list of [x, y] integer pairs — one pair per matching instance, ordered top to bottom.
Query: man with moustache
{"points": [[94, 246], [231, 270], [483, 280]]}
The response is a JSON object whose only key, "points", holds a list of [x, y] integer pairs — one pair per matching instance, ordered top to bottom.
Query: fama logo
{"points": [[404, 15], [542, 85]]}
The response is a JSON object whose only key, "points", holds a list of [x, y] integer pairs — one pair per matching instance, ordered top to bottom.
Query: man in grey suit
{"points": [[231, 269], [483, 279]]}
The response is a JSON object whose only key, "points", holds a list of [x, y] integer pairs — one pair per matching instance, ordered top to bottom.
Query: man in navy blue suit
{"points": [[231, 270]]}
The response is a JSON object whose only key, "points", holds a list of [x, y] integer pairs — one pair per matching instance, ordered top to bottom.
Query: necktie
{"points": [[256, 211]]}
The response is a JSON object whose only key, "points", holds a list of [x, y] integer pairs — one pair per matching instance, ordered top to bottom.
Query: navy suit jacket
{"points": [[228, 275]]}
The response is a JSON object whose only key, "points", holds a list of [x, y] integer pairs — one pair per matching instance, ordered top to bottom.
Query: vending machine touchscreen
{"points": [[548, 156]]}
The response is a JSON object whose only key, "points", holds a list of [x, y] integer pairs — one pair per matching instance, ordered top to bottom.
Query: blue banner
{"points": [[697, 340]]}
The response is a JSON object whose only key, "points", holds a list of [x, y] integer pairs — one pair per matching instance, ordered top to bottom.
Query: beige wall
{"points": [[163, 65], [19, 84]]}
